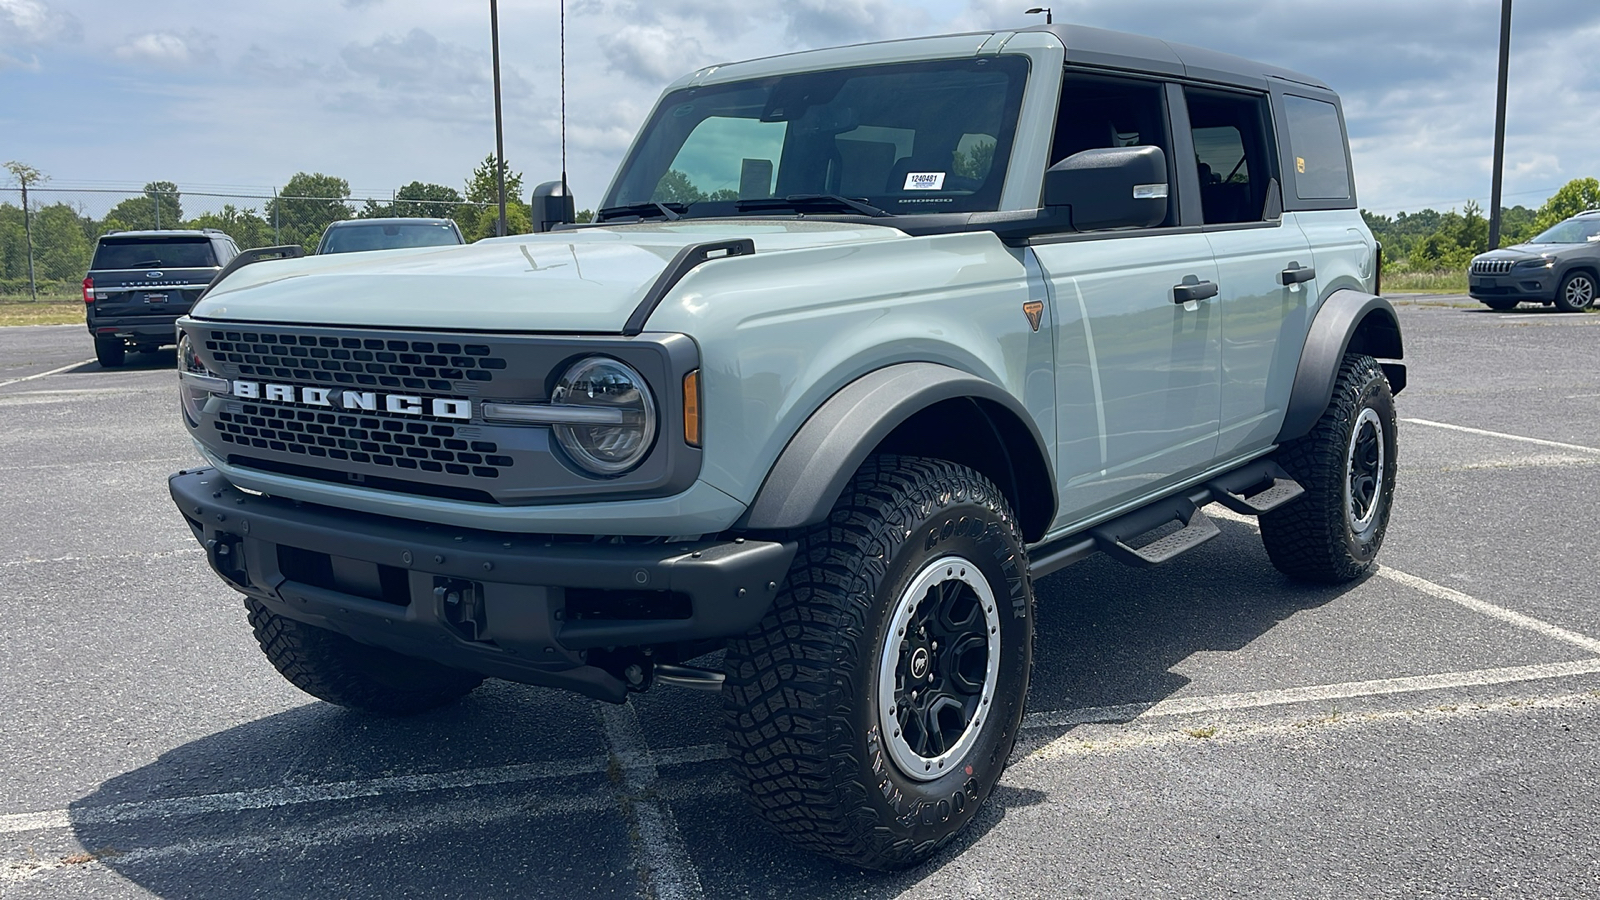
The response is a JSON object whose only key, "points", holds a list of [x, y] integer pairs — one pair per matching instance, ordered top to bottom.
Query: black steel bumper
{"points": [[164, 326], [528, 608]]}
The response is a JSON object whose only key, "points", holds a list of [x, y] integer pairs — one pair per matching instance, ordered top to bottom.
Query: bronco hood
{"points": [[585, 280]]}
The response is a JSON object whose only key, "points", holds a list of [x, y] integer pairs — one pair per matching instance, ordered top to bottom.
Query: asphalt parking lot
{"points": [[1201, 729]]}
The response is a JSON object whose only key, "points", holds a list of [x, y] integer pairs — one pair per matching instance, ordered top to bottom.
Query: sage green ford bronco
{"points": [[862, 342]]}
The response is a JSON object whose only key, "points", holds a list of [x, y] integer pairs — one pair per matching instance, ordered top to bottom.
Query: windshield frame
{"points": [[647, 151]]}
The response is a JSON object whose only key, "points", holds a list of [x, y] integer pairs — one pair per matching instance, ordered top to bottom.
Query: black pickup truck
{"points": [[140, 282]]}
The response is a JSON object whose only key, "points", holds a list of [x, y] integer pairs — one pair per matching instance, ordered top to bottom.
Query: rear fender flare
{"points": [[1348, 321]]}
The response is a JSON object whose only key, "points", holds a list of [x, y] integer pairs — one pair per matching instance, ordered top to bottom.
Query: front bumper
{"points": [[1535, 285], [528, 608]]}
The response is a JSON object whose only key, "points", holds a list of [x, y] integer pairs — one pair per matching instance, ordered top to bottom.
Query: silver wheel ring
{"points": [[1580, 291], [1359, 523], [911, 763]]}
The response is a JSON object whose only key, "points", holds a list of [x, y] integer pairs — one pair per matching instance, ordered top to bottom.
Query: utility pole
{"points": [[1500, 125], [499, 131], [24, 175]]}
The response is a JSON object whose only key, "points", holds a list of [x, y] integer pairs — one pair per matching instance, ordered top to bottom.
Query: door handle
{"points": [[1296, 274], [1193, 290]]}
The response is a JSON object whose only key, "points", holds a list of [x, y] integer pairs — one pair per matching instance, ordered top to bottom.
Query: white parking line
{"points": [[46, 374], [1500, 434], [1510, 617], [1350, 690], [646, 788], [664, 856]]}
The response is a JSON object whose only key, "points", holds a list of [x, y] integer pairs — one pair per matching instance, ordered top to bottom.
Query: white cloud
{"points": [[35, 22], [166, 48], [651, 53]]}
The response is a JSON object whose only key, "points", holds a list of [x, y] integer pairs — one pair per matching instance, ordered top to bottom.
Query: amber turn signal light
{"points": [[691, 408]]}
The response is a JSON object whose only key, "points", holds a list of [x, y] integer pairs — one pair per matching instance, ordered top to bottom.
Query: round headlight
{"points": [[192, 397], [625, 411]]}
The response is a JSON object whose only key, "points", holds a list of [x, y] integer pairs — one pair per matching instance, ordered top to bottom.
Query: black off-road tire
{"points": [[1576, 293], [1501, 304], [111, 352], [1325, 535], [334, 668], [804, 726]]}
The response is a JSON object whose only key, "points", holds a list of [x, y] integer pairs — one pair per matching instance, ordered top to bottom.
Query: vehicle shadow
{"points": [[512, 792]]}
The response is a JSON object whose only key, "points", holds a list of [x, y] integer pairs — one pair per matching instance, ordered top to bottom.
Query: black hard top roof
{"points": [[1102, 48], [147, 233]]}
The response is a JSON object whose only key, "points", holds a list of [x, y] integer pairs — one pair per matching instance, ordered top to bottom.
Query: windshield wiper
{"points": [[802, 202], [643, 210]]}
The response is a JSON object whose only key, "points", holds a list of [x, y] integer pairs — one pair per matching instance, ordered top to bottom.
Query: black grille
{"points": [[1491, 266], [375, 362], [377, 440]]}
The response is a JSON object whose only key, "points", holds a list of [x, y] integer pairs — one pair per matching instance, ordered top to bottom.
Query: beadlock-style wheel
{"points": [[1364, 463], [937, 673]]}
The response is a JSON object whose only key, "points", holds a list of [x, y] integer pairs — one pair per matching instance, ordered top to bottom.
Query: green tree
{"points": [[975, 163], [481, 187], [1574, 197], [418, 199], [305, 205], [141, 212], [247, 228], [61, 250]]}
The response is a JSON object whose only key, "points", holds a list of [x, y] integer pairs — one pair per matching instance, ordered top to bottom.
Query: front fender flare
{"points": [[1348, 321], [819, 461]]}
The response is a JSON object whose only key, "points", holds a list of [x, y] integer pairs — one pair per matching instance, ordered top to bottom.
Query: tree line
{"points": [[63, 237], [1432, 241]]}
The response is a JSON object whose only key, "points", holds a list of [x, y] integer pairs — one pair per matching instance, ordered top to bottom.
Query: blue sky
{"points": [[383, 92]]}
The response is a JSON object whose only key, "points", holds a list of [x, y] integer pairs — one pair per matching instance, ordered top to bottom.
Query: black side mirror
{"points": [[1115, 187], [552, 206]]}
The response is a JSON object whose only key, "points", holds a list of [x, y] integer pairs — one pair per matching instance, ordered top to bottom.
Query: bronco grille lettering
{"points": [[356, 401]]}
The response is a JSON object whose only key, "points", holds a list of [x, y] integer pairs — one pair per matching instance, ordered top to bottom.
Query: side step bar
{"points": [[1253, 489]]}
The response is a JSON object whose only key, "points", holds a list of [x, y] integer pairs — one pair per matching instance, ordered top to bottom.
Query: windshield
{"points": [[921, 137], [1572, 231], [391, 236], [148, 253]]}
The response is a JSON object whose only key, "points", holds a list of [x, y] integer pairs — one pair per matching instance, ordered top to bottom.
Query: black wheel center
{"points": [[940, 677]]}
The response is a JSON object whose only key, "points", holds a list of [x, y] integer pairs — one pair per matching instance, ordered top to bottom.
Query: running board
{"points": [[1252, 489], [1255, 489], [1114, 538]]}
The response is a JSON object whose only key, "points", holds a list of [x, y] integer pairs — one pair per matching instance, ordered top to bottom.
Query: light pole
{"points": [[1049, 17], [1500, 125], [499, 129]]}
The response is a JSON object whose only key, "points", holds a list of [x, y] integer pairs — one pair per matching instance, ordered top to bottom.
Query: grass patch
{"points": [[1425, 282], [43, 312], [1201, 734]]}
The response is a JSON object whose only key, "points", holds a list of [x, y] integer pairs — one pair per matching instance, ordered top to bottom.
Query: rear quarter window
{"points": [[1321, 170], [159, 253]]}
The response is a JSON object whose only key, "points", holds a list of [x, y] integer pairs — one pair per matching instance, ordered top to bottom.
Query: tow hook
{"points": [[226, 555]]}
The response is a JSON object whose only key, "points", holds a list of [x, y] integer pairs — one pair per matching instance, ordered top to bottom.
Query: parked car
{"points": [[354, 235], [1560, 266], [140, 282], [943, 316]]}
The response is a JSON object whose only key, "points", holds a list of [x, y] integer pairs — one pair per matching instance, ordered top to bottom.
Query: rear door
{"points": [[151, 275], [1263, 320]]}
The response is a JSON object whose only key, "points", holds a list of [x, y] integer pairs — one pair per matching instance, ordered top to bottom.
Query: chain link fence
{"points": [[46, 245]]}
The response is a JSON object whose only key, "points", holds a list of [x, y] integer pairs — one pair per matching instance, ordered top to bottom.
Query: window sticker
{"points": [[924, 181]]}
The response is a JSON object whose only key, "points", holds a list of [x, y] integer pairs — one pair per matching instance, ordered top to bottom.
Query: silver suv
{"points": [[1560, 266], [864, 341]]}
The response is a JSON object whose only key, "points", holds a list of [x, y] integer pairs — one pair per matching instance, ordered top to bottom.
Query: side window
{"points": [[1099, 112], [1232, 153], [705, 169], [1321, 171]]}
